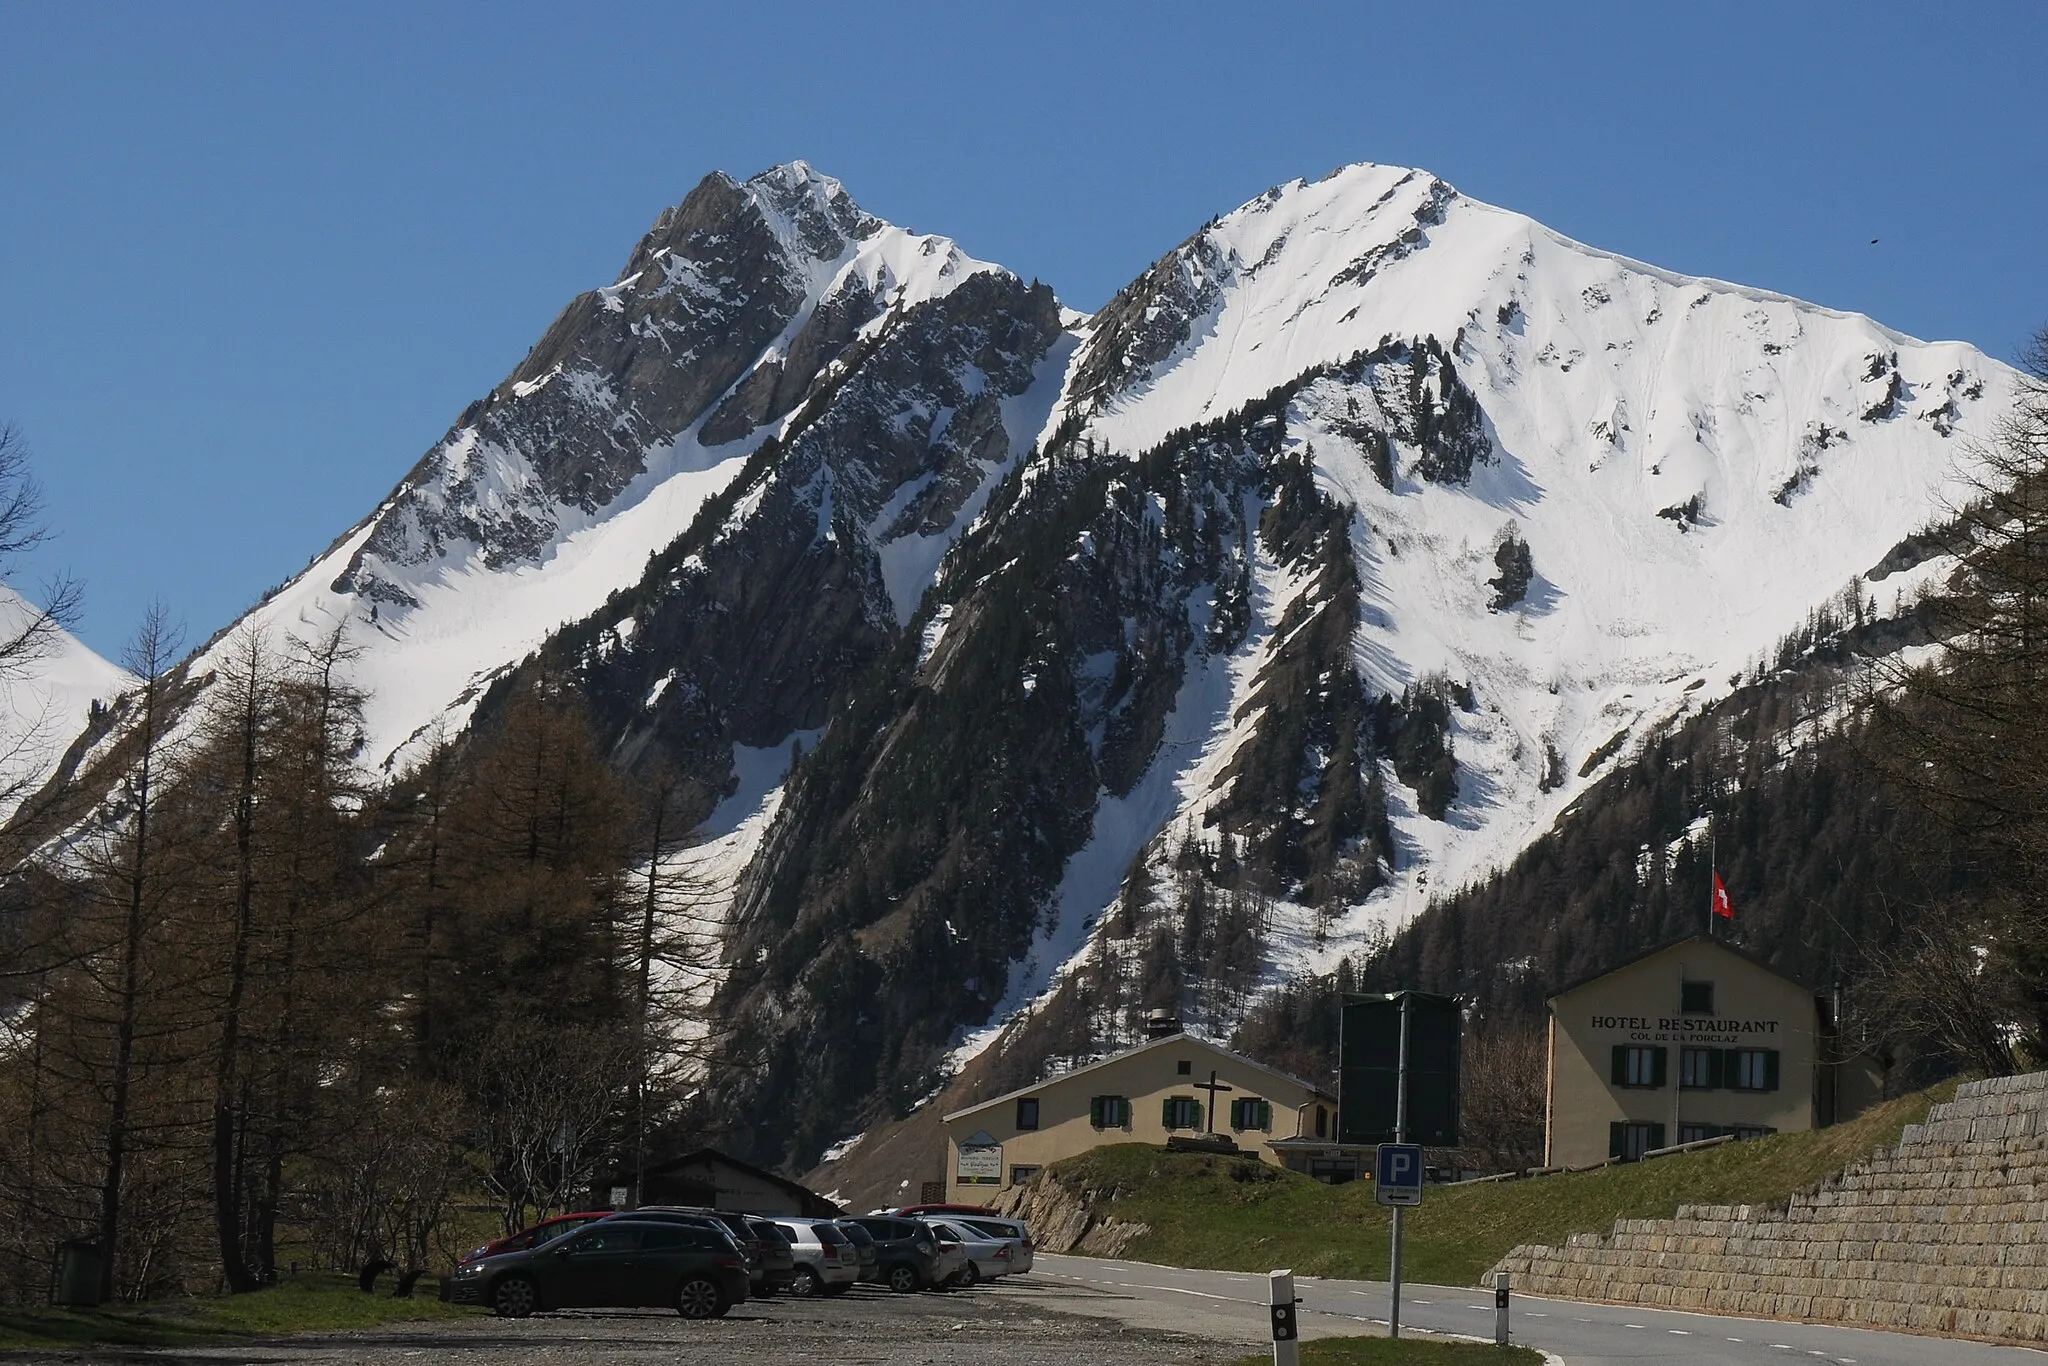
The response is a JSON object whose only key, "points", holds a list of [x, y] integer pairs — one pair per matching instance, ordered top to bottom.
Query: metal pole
{"points": [[1400, 1136], [1280, 1292], [1500, 1308]]}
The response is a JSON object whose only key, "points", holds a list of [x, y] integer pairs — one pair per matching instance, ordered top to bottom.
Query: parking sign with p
{"points": [[1398, 1175]]}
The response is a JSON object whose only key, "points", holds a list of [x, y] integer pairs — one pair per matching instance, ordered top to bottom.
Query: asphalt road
{"points": [[1228, 1306]]}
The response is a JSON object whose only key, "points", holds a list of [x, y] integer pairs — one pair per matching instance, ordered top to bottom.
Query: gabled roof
{"points": [[1744, 954], [1150, 1044], [804, 1194]]}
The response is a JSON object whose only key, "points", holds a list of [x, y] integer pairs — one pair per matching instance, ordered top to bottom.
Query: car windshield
{"points": [[828, 1233], [856, 1235]]}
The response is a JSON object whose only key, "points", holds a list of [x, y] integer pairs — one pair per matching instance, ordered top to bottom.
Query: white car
{"points": [[988, 1255], [827, 1262]]}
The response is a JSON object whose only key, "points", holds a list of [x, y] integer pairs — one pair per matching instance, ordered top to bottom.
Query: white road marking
{"points": [[1178, 1290]]}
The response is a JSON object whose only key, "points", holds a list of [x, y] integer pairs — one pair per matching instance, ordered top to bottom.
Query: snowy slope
{"points": [[1693, 465], [45, 703]]}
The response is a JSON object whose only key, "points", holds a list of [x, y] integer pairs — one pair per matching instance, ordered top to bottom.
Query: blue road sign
{"points": [[1398, 1177]]}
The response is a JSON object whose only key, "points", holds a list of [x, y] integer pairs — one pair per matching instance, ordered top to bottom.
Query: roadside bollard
{"points": [[1500, 1308], [1286, 1351]]}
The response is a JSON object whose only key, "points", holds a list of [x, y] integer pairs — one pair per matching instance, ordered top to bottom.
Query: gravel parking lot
{"points": [[991, 1325]]}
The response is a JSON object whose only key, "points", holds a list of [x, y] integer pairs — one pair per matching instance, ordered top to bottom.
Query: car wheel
{"points": [[970, 1274], [903, 1278], [806, 1284], [514, 1298], [698, 1298]]}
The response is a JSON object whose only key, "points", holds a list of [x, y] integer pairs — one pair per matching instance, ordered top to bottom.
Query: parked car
{"points": [[913, 1211], [1013, 1229], [534, 1235], [908, 1253], [988, 1256], [868, 1258], [778, 1262], [613, 1263], [826, 1263]]}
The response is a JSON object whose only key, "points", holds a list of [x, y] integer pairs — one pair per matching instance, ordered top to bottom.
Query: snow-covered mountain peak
{"points": [[809, 210], [1311, 273], [645, 398], [1576, 497], [44, 702]]}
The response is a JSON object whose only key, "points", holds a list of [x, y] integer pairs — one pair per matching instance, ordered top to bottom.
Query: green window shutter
{"points": [[1658, 1058], [1715, 1058], [1620, 1068], [1770, 1069], [1095, 1109], [1121, 1112], [1194, 1114], [1166, 1115], [1265, 1116], [1656, 1132], [1617, 1134]]}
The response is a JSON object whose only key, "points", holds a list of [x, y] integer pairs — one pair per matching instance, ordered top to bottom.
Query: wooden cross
{"points": [[1212, 1086]]}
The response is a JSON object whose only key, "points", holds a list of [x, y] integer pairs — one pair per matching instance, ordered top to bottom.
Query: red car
{"points": [[912, 1211], [533, 1237]]}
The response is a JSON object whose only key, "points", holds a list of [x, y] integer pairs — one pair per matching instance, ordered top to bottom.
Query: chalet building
{"points": [[1690, 1041], [1172, 1085], [711, 1179]]}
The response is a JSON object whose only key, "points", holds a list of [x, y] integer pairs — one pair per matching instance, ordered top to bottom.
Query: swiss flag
{"points": [[1723, 907]]}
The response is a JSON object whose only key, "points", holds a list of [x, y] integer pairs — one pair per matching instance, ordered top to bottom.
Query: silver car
{"points": [[1013, 1229], [988, 1256], [827, 1263]]}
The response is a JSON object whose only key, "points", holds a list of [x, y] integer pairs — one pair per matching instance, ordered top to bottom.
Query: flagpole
{"points": [[1713, 869]]}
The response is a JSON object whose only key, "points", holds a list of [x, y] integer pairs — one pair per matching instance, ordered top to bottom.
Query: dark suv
{"points": [[908, 1251], [614, 1263]]}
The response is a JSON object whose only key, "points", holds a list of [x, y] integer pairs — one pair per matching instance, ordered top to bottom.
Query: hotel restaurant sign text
{"points": [[1685, 1029]]}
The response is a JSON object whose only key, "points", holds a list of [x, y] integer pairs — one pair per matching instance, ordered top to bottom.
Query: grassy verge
{"points": [[1234, 1214], [308, 1303], [1404, 1352]]}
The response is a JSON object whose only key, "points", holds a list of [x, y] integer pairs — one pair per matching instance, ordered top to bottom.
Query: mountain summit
{"points": [[1026, 669]]}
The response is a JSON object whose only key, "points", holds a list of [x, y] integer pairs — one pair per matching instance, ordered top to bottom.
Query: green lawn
{"points": [[1236, 1214], [308, 1303], [1404, 1352]]}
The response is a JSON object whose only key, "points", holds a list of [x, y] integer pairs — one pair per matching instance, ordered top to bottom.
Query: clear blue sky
{"points": [[255, 258]]}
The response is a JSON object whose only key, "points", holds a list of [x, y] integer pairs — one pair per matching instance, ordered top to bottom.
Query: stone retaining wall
{"points": [[1946, 1233]]}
